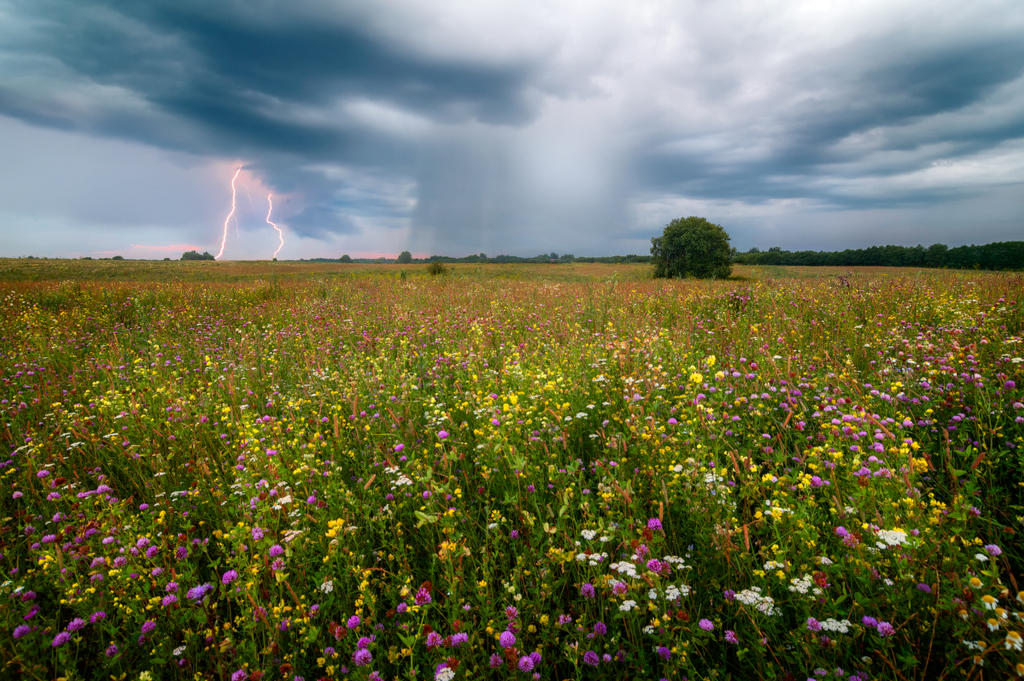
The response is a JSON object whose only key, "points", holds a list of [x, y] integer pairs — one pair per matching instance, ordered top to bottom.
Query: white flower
{"points": [[589, 534], [892, 537], [327, 587], [627, 605], [837, 626], [179, 651], [445, 673]]}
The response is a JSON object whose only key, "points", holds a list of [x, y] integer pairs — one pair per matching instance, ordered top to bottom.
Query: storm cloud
{"points": [[508, 127]]}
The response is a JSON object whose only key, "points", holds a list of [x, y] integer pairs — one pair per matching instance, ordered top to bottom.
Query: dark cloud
{"points": [[521, 130]]}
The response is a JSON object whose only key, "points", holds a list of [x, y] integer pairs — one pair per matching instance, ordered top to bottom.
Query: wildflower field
{"points": [[243, 471]]}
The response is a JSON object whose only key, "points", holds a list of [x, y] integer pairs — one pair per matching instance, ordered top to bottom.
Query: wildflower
{"points": [[442, 434], [654, 524], [257, 533], [276, 550], [993, 550], [228, 577], [924, 587], [619, 588], [587, 590], [198, 593], [423, 596], [169, 600], [990, 602], [869, 621], [353, 622], [75, 624], [813, 624], [706, 625], [148, 626], [600, 629], [885, 629], [21, 630], [730, 636], [459, 638], [60, 639], [434, 639], [507, 639], [1013, 641], [111, 650], [664, 653], [362, 657], [591, 658], [495, 661], [525, 664], [443, 673], [240, 675]]}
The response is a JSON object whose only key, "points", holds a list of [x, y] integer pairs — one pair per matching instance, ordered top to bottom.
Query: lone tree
{"points": [[692, 247], [404, 258]]}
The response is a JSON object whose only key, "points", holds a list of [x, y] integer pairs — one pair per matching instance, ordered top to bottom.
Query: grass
{"points": [[263, 470]]}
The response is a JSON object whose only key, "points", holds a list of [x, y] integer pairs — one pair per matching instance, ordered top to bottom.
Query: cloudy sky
{"points": [[519, 127]]}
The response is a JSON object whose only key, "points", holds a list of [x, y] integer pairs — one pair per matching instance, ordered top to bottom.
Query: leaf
{"points": [[425, 518]]}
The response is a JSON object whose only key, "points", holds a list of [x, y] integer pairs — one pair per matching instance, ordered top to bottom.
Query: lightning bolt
{"points": [[234, 196], [280, 234]]}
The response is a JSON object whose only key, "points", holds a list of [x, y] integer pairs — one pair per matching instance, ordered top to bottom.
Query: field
{"points": [[246, 471]]}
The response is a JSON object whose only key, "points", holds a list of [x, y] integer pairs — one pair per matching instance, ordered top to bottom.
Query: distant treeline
{"points": [[1002, 255]]}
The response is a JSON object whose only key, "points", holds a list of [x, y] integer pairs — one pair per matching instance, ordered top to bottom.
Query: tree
{"points": [[691, 247], [195, 255], [345, 258], [404, 258]]}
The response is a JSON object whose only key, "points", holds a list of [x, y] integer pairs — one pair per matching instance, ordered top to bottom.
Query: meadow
{"points": [[285, 470]]}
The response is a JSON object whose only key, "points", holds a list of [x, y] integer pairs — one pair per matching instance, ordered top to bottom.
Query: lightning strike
{"points": [[234, 196], [280, 233]]}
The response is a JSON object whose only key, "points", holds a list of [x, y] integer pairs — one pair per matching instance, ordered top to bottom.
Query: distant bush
{"points": [[691, 247], [195, 255], [437, 267]]}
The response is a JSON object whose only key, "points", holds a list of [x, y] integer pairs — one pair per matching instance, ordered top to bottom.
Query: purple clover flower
{"points": [[362, 657]]}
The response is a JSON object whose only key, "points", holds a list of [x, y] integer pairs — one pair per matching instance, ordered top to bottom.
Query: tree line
{"points": [[1001, 255]]}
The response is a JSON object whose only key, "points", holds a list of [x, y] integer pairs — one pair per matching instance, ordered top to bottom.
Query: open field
{"points": [[271, 470]]}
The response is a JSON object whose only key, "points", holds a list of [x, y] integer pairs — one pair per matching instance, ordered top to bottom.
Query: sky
{"points": [[520, 127]]}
